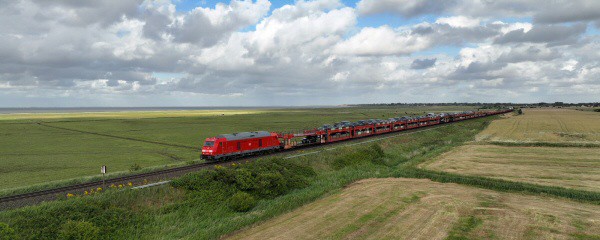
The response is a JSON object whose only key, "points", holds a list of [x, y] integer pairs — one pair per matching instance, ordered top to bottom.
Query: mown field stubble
{"points": [[545, 125], [46, 147], [564, 151], [568, 167], [397, 208]]}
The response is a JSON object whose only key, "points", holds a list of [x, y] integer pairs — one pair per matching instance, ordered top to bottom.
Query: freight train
{"points": [[227, 146]]}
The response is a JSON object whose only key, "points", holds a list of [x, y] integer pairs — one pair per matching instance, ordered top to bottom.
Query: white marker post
{"points": [[103, 170]]}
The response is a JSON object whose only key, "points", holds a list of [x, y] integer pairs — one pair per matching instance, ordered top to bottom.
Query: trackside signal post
{"points": [[103, 170]]}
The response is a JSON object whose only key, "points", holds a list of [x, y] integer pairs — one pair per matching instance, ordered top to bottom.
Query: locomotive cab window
{"points": [[209, 143]]}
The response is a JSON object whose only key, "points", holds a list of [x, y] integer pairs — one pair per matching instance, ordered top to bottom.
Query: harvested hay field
{"points": [[545, 125], [569, 167], [421, 209]]}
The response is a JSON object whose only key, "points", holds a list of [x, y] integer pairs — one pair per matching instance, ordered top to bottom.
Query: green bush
{"points": [[372, 154], [262, 178], [244, 179], [241, 202], [45, 221], [78, 230], [7, 233]]}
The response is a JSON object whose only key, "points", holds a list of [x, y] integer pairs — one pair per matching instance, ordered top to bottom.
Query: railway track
{"points": [[32, 198]]}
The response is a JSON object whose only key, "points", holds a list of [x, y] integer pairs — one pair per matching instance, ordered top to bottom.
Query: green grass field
{"points": [[49, 147]]}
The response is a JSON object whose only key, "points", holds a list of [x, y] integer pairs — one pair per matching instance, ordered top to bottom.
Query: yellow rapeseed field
{"points": [[545, 125]]}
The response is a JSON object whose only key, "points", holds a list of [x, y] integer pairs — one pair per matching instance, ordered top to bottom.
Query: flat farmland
{"points": [[124, 114], [546, 125], [46, 147], [34, 154], [559, 164], [577, 168], [421, 209]]}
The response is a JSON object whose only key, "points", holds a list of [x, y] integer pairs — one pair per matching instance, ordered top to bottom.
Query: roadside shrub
{"points": [[597, 110], [376, 148], [373, 154], [262, 178], [244, 179], [270, 184], [241, 202], [47, 221], [78, 230], [7, 233]]}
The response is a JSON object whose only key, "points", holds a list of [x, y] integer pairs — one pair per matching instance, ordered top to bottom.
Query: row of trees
{"points": [[488, 105]]}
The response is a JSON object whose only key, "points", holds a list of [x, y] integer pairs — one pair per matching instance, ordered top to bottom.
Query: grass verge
{"points": [[69, 182]]}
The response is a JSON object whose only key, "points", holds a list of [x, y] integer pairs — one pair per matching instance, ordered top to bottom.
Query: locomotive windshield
{"points": [[209, 143]]}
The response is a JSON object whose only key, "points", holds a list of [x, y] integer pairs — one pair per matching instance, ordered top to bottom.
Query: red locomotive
{"points": [[250, 143], [239, 144]]}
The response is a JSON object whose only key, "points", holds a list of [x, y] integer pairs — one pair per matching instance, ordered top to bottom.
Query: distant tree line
{"points": [[485, 105]]}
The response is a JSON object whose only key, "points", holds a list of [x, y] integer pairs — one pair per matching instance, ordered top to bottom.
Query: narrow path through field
{"points": [[119, 137]]}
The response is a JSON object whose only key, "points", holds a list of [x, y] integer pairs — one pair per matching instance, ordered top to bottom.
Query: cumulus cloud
{"points": [[406, 8], [542, 11], [569, 11], [85, 13], [459, 21], [202, 26], [551, 34], [385, 40], [382, 41], [308, 52], [423, 63]]}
